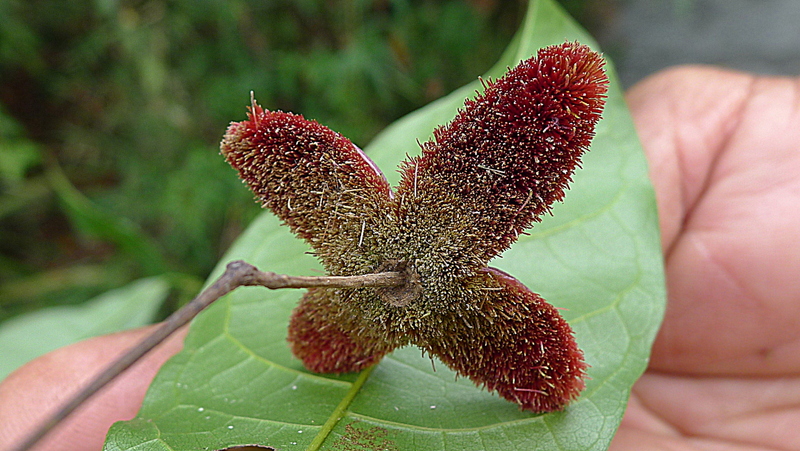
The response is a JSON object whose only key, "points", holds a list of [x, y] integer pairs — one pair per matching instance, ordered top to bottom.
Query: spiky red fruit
{"points": [[510, 153], [484, 178]]}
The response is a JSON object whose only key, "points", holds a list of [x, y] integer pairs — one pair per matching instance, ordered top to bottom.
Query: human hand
{"points": [[724, 150], [724, 154], [35, 391]]}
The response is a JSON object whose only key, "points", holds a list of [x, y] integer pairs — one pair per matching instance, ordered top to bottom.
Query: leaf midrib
{"points": [[340, 410]]}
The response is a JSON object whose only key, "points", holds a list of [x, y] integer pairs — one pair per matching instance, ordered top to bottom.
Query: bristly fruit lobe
{"points": [[510, 153], [308, 175], [483, 179]]}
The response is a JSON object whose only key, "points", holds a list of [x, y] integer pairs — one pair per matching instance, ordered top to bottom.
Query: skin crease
{"points": [[724, 151]]}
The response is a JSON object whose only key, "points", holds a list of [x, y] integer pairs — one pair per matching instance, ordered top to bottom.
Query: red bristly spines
{"points": [[508, 155], [311, 177], [484, 178], [322, 336], [514, 343]]}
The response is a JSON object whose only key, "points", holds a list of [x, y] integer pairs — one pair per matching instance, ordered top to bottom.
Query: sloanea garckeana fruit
{"points": [[508, 155]]}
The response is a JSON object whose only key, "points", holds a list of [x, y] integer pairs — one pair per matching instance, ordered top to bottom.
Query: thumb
{"points": [[38, 389]]}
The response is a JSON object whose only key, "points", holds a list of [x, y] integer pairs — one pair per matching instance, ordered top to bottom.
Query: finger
{"points": [[684, 117], [725, 153], [317, 181], [35, 391], [718, 412]]}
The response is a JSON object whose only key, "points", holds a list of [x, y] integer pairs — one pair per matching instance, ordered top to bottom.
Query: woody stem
{"points": [[237, 274]]}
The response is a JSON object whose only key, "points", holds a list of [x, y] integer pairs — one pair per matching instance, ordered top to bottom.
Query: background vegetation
{"points": [[111, 113]]}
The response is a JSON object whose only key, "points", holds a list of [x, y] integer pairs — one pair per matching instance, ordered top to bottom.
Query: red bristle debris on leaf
{"points": [[484, 178]]}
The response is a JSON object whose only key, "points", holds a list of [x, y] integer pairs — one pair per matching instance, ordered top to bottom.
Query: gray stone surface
{"points": [[644, 36]]}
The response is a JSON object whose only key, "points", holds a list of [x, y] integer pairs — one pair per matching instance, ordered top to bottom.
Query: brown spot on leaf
{"points": [[363, 438]]}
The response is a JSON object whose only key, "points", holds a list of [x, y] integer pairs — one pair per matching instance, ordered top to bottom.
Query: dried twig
{"points": [[237, 273]]}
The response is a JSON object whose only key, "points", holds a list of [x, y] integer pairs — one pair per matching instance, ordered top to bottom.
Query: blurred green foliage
{"points": [[111, 111]]}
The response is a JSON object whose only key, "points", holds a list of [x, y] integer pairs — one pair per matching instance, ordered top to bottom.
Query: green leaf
{"points": [[598, 257], [28, 336]]}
